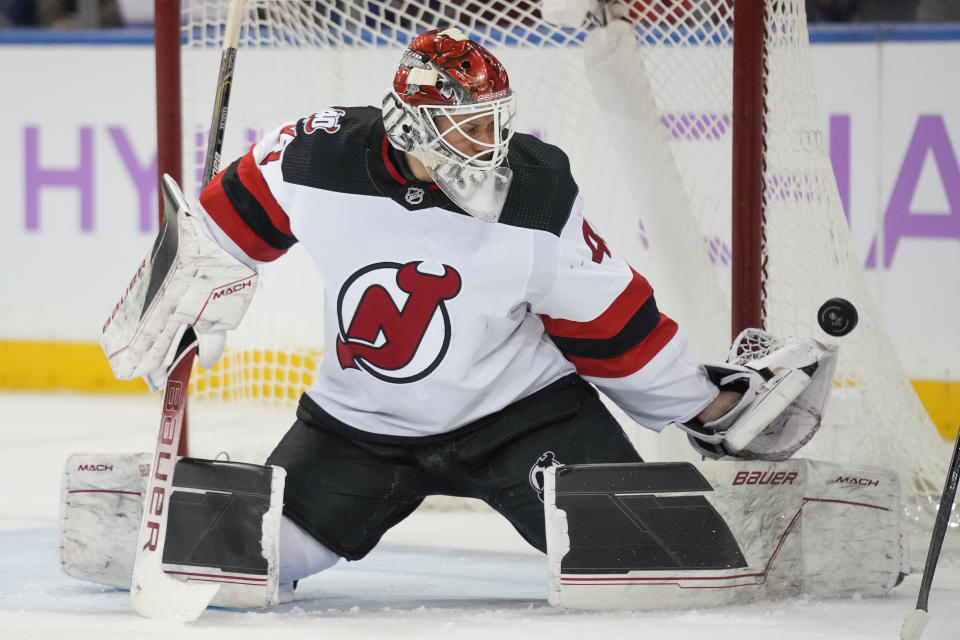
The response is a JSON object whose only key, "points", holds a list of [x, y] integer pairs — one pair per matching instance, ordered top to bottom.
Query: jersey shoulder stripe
{"points": [[333, 158], [543, 189], [241, 204]]}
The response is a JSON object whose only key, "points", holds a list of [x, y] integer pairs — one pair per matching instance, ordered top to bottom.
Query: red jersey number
{"points": [[597, 246]]}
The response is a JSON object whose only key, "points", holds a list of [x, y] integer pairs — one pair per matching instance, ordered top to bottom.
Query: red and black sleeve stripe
{"points": [[240, 202], [621, 340]]}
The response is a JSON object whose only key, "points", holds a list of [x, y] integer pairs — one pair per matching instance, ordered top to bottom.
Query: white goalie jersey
{"points": [[434, 319]]}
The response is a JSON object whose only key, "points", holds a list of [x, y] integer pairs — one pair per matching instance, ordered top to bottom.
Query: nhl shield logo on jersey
{"points": [[414, 195], [393, 319]]}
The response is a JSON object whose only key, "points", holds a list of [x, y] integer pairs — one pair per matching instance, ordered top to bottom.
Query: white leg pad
{"points": [[101, 501], [720, 533]]}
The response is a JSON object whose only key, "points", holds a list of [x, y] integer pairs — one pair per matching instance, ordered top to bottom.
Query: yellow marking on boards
{"points": [[280, 376]]}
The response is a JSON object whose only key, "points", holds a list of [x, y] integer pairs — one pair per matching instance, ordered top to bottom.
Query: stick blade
{"points": [[156, 595], [914, 624]]}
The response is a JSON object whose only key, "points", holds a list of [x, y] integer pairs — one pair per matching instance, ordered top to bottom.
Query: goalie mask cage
{"points": [[704, 164]]}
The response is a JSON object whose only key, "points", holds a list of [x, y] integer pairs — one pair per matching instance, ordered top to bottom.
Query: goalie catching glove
{"points": [[186, 280], [784, 385]]}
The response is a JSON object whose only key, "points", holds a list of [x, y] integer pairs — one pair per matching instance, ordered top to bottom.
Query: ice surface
{"points": [[451, 575]]}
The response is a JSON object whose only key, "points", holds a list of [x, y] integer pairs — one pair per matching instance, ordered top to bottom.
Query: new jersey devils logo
{"points": [[393, 320], [539, 468]]}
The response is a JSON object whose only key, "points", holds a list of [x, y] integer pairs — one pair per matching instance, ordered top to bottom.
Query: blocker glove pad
{"points": [[186, 280]]}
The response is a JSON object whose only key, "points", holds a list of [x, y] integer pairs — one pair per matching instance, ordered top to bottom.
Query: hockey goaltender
{"points": [[472, 317]]}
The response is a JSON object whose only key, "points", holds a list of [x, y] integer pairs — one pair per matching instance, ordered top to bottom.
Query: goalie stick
{"points": [[153, 594], [916, 621]]}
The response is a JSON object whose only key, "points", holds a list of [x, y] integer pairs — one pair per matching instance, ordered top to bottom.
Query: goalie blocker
{"points": [[186, 280], [222, 527], [685, 536]]}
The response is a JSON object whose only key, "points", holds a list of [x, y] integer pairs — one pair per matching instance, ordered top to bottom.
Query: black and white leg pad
{"points": [[223, 526], [683, 536]]}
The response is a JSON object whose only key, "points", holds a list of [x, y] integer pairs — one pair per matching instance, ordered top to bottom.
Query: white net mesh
{"points": [[643, 109], [874, 417]]}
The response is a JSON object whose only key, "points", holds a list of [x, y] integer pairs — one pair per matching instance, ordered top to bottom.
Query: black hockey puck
{"points": [[837, 317]]}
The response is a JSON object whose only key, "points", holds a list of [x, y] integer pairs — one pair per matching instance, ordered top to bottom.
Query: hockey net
{"points": [[643, 108]]}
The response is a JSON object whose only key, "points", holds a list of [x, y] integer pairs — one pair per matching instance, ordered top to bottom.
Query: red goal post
{"points": [[166, 39], [747, 111], [693, 129]]}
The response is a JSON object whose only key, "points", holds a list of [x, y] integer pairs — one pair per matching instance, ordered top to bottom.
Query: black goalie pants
{"points": [[348, 487]]}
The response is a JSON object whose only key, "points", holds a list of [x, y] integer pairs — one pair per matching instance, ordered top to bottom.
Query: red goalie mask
{"points": [[466, 72], [452, 108]]}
